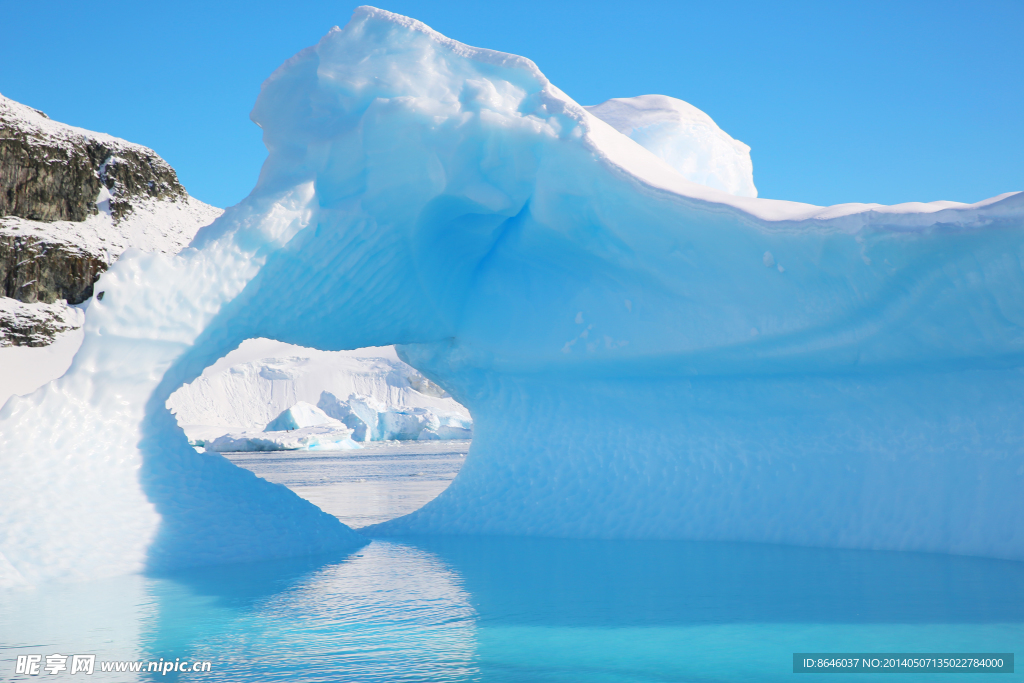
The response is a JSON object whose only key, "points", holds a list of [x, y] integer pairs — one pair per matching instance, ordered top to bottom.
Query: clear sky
{"points": [[861, 101]]}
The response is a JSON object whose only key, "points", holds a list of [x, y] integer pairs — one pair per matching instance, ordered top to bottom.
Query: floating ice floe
{"points": [[337, 424], [301, 427], [323, 438]]}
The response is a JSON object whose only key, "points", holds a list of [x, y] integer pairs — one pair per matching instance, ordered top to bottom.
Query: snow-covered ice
{"points": [[685, 138], [633, 368], [24, 369], [247, 388], [299, 416], [355, 419], [373, 420], [301, 427], [330, 437]]}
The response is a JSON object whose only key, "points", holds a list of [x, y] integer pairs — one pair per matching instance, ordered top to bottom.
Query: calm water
{"points": [[378, 482], [499, 609]]}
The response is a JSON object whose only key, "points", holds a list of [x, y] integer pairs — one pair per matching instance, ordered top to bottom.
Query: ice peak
{"points": [[366, 13], [627, 113], [685, 138]]}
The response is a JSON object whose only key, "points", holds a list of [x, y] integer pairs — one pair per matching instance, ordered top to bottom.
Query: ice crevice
{"points": [[451, 200]]}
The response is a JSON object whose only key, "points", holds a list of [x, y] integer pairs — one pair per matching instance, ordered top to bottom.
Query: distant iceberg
{"points": [[644, 356], [250, 387], [299, 416], [372, 420], [336, 424], [302, 427], [302, 439]]}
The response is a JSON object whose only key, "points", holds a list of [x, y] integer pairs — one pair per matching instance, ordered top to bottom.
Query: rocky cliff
{"points": [[51, 172], [71, 201], [37, 269]]}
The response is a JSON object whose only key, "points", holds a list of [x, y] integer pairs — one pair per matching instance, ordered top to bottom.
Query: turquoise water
{"points": [[507, 609]]}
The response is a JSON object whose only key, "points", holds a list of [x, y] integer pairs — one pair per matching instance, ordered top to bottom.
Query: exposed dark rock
{"points": [[45, 179], [44, 184], [32, 270]]}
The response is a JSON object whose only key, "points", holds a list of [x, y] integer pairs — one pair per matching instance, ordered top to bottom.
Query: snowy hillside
{"points": [[71, 202], [23, 369]]}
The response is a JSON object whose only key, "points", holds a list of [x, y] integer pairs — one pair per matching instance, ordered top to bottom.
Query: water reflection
{"points": [[507, 609], [389, 612]]}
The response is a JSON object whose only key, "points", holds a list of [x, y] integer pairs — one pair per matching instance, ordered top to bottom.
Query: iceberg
{"points": [[644, 356], [247, 388], [301, 415], [372, 420], [301, 427]]}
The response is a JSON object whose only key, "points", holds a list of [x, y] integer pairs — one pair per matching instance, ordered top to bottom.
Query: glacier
{"points": [[643, 356], [369, 389]]}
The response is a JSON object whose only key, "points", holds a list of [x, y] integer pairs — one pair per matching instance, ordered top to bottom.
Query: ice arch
{"points": [[644, 356]]}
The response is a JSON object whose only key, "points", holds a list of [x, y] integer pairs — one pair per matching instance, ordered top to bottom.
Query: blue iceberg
{"points": [[644, 356]]}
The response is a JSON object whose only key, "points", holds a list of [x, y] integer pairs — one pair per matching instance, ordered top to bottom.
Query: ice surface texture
{"points": [[643, 356]]}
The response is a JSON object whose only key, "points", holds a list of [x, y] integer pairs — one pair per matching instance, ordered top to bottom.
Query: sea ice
{"points": [[451, 200], [301, 427], [330, 437]]}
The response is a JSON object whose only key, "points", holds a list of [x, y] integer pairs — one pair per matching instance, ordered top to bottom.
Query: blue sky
{"points": [[866, 101]]}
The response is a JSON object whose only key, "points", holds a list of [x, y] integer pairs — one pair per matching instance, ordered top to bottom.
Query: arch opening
{"points": [[361, 434]]}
